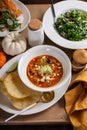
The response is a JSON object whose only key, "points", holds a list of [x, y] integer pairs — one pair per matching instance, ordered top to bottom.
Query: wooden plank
{"points": [[40, 1]]}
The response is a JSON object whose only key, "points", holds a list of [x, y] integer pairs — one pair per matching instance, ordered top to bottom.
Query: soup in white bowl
{"points": [[44, 68]]}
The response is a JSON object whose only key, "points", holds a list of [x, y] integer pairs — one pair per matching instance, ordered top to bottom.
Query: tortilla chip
{"points": [[15, 87], [24, 102]]}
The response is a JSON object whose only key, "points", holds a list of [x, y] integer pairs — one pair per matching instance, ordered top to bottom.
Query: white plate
{"points": [[25, 17], [48, 23], [6, 106]]}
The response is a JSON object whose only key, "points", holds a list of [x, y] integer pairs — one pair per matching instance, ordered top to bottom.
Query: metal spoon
{"points": [[46, 97], [20, 112]]}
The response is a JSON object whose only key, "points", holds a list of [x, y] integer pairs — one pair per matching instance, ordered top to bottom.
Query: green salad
{"points": [[9, 21], [72, 25]]}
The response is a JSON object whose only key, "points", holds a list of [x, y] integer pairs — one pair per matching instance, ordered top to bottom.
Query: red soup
{"points": [[44, 71]]}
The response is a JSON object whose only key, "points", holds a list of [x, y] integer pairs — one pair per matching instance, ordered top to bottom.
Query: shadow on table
{"points": [[38, 1], [38, 127]]}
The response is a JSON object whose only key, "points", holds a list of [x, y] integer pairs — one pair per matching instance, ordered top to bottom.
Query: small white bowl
{"points": [[45, 50]]}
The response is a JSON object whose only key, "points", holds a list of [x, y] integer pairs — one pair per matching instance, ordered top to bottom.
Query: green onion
{"points": [[8, 16], [47, 69]]}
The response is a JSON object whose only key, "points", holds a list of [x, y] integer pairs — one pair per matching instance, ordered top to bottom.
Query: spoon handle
{"points": [[53, 10], [20, 112]]}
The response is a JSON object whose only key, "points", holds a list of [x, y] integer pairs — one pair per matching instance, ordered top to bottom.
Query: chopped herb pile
{"points": [[9, 21], [72, 25]]}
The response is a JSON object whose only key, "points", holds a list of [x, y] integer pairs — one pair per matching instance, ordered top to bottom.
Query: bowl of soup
{"points": [[44, 68]]}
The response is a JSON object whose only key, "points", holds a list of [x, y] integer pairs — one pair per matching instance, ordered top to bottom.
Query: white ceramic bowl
{"points": [[48, 23], [45, 50]]}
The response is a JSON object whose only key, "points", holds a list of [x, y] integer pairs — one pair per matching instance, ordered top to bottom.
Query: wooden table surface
{"points": [[41, 1], [55, 114]]}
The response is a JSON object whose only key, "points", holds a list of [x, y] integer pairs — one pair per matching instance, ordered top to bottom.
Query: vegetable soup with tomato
{"points": [[44, 71]]}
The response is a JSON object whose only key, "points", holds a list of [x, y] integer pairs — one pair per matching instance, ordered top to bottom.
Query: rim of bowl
{"points": [[23, 62]]}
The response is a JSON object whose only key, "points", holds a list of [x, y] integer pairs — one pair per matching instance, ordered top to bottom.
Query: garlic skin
{"points": [[14, 43]]}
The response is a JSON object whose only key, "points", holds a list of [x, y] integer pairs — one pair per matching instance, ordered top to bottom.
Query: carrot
{"points": [[11, 6], [2, 58]]}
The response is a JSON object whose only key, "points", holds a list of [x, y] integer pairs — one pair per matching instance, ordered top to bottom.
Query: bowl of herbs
{"points": [[69, 28]]}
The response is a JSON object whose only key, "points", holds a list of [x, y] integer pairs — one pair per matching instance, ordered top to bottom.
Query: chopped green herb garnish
{"points": [[7, 16], [72, 25]]}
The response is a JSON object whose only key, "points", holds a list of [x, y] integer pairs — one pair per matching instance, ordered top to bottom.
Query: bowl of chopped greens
{"points": [[14, 16], [70, 27]]}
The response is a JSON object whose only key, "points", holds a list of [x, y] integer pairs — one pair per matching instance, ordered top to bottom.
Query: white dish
{"points": [[24, 18], [48, 23], [44, 50], [7, 107]]}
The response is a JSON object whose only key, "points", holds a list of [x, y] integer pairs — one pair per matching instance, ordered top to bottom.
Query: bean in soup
{"points": [[44, 71]]}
